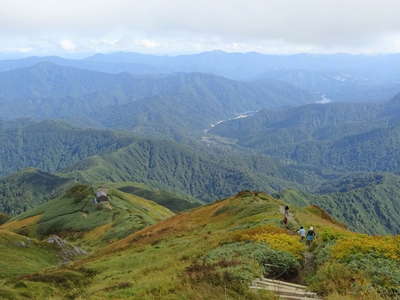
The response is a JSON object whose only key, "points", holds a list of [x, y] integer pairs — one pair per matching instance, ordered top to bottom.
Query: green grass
{"points": [[174, 201], [76, 216], [213, 252], [21, 255]]}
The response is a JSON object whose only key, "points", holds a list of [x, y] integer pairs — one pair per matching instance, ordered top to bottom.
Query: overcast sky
{"points": [[184, 26]]}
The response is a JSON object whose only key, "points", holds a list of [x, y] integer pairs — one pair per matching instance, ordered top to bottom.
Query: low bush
{"points": [[380, 246], [237, 264], [336, 278]]}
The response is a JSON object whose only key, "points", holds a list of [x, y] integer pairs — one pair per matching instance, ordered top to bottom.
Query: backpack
{"points": [[310, 235]]}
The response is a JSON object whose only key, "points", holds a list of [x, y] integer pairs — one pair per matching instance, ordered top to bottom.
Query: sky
{"points": [[80, 27]]}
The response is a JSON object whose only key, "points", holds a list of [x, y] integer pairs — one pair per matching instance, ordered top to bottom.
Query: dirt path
{"points": [[309, 263]]}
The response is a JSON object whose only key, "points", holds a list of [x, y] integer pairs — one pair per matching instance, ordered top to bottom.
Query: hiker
{"points": [[286, 215], [302, 233], [310, 236]]}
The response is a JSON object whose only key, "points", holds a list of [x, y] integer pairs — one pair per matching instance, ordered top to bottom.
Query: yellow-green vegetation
{"points": [[174, 201], [75, 216], [3, 218], [215, 251], [203, 253], [21, 255], [358, 265]]}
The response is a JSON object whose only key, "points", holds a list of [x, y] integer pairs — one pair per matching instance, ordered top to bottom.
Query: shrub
{"points": [[79, 192], [283, 242], [380, 246], [236, 264], [384, 273], [338, 278]]}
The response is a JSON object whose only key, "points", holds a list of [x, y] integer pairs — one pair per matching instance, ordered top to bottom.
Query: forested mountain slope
{"points": [[49, 91], [350, 137], [52, 145], [166, 165], [28, 188], [367, 203]]}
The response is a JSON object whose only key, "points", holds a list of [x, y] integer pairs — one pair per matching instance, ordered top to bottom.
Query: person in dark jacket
{"points": [[310, 236]]}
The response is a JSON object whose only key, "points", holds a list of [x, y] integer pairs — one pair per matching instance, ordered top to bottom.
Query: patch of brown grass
{"points": [[20, 224]]}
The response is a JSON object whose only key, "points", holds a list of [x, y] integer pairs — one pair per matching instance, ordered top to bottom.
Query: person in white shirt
{"points": [[302, 233]]}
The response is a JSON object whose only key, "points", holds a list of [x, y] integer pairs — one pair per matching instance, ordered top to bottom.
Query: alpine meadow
{"points": [[229, 150]]}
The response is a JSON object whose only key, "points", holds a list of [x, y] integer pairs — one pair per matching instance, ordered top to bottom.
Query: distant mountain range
{"points": [[339, 77], [162, 104]]}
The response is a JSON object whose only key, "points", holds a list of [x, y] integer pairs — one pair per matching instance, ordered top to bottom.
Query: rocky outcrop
{"points": [[67, 251]]}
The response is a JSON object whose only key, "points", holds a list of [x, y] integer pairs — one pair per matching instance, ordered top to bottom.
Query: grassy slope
{"points": [[174, 201], [75, 216], [3, 218], [214, 251], [21, 255], [153, 263]]}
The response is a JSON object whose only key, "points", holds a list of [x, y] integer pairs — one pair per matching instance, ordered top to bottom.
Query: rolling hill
{"points": [[75, 216], [217, 251], [22, 255]]}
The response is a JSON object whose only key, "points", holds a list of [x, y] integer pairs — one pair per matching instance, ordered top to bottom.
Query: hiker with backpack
{"points": [[310, 236]]}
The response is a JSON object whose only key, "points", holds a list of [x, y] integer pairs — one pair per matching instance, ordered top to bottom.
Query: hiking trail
{"points": [[284, 290], [287, 290]]}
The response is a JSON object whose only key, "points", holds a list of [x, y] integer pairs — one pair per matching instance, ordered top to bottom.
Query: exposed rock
{"points": [[67, 251]]}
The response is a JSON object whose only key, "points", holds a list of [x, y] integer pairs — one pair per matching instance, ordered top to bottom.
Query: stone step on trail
{"points": [[280, 283], [285, 290]]}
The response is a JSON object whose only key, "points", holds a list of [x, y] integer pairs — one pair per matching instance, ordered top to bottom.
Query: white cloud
{"points": [[285, 26], [148, 43], [67, 45]]}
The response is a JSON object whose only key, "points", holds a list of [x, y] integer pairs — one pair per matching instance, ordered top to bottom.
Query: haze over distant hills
{"points": [[340, 77], [175, 101]]}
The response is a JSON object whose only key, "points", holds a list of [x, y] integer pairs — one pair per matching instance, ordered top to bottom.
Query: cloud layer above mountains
{"points": [[275, 26]]}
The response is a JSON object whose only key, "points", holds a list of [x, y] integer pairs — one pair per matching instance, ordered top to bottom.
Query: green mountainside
{"points": [[345, 137], [52, 145], [179, 168], [176, 175], [28, 188], [173, 201], [367, 204], [75, 216], [3, 218], [210, 252], [21, 255]]}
